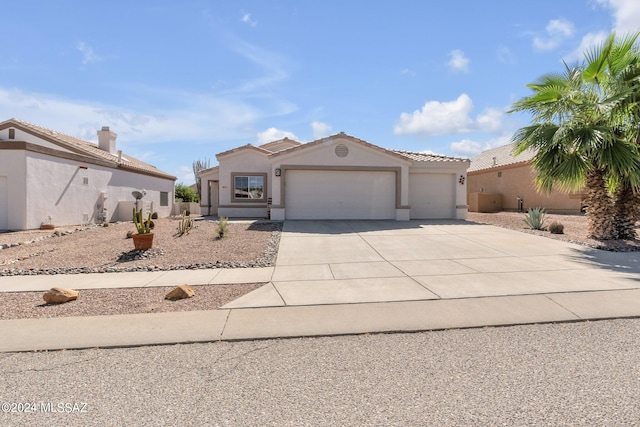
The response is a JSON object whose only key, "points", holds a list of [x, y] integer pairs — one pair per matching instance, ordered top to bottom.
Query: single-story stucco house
{"points": [[46, 176], [337, 177], [500, 180]]}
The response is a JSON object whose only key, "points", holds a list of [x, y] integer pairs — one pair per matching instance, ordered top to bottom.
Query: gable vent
{"points": [[342, 150]]}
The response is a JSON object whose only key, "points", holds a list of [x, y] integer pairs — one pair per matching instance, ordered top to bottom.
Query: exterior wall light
{"points": [[278, 171], [461, 180]]}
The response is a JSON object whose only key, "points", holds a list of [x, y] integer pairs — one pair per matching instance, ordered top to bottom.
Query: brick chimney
{"points": [[107, 140]]}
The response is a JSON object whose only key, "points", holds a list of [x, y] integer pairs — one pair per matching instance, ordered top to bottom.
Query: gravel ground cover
{"points": [[575, 229], [250, 244], [100, 249], [106, 249], [99, 302]]}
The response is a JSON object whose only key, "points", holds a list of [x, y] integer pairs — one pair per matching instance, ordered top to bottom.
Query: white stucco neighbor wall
{"points": [[12, 168], [75, 193]]}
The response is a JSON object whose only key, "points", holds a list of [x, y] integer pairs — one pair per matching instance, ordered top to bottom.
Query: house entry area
{"points": [[340, 194]]}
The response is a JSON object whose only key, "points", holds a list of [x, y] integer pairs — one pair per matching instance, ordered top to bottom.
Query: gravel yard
{"points": [[575, 229], [250, 244], [106, 249]]}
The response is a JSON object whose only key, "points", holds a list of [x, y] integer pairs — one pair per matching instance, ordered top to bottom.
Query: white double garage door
{"points": [[337, 194]]}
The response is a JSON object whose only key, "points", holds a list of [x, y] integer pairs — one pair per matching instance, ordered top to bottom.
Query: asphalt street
{"points": [[575, 374]]}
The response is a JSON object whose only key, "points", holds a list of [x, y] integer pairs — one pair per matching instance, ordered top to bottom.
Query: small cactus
{"points": [[185, 224], [143, 227], [556, 228], [129, 234]]}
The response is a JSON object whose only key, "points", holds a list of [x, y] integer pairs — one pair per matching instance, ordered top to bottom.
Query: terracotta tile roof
{"points": [[338, 135], [279, 145], [83, 147], [243, 147], [426, 157], [497, 157]]}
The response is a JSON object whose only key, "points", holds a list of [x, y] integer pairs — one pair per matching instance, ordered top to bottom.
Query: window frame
{"points": [[249, 175], [166, 194]]}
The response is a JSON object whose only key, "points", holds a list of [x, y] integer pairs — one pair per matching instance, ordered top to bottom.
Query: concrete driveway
{"points": [[342, 262]]}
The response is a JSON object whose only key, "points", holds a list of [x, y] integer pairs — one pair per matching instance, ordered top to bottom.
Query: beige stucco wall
{"points": [[359, 157], [243, 161], [518, 180]]}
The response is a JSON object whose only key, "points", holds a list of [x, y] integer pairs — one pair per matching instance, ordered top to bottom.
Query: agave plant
{"points": [[535, 218]]}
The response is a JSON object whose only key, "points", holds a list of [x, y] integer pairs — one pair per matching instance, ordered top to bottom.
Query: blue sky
{"points": [[182, 81]]}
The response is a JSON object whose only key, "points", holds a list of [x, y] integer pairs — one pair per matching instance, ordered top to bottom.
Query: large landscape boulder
{"points": [[181, 292], [60, 295]]}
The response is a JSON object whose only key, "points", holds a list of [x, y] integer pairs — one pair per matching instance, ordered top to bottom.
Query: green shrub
{"points": [[184, 193], [535, 218], [223, 228], [556, 228]]}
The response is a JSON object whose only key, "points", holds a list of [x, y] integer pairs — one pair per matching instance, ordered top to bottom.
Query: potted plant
{"points": [[144, 238]]}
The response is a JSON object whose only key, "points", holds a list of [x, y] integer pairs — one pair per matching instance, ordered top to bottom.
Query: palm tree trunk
{"points": [[600, 209], [626, 211]]}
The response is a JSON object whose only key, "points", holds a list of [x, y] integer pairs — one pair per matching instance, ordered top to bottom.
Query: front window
{"points": [[248, 187], [164, 198]]}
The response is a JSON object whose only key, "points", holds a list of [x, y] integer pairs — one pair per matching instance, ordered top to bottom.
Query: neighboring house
{"points": [[46, 175], [338, 177], [500, 180]]}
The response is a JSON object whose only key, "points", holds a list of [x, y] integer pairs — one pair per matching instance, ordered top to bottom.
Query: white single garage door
{"points": [[311, 194], [432, 195]]}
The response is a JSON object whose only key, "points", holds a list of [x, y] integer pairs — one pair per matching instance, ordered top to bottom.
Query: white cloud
{"points": [[626, 14], [246, 18], [560, 27], [557, 31], [589, 41], [88, 55], [505, 55], [458, 62], [275, 68], [408, 72], [196, 117], [452, 117], [490, 120], [320, 129], [273, 134], [469, 147], [184, 175]]}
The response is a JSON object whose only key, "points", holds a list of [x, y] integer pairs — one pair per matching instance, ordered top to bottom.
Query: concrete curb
{"points": [[312, 321]]}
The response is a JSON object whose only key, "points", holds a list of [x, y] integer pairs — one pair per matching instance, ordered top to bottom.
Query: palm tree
{"points": [[582, 121]]}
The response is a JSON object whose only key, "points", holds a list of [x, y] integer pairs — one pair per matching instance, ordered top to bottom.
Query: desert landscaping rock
{"points": [[98, 249], [180, 292], [60, 295], [102, 302]]}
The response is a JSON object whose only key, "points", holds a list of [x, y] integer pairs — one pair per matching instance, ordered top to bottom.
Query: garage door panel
{"points": [[340, 194], [432, 195]]}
